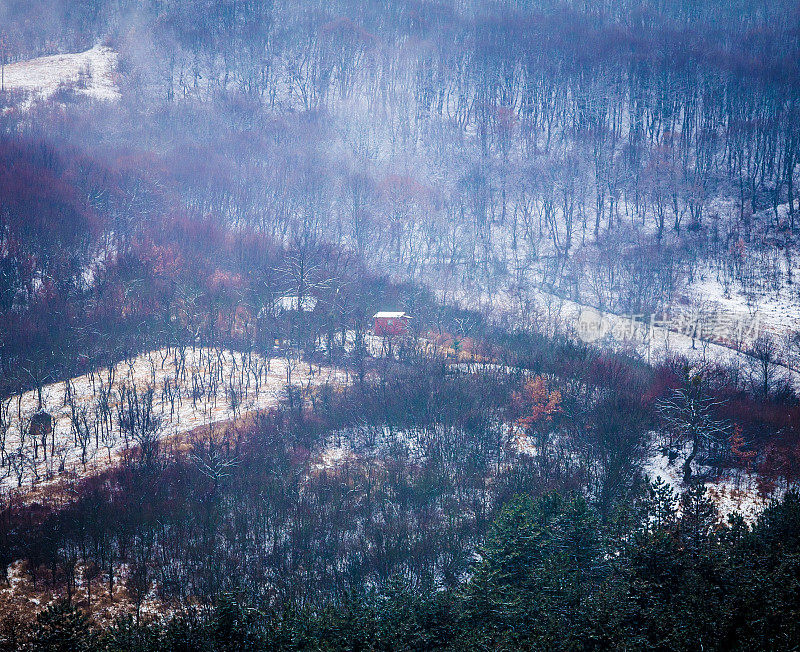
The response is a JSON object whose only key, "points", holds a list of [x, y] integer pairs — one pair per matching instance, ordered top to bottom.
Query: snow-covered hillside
{"points": [[91, 73], [652, 340], [191, 387]]}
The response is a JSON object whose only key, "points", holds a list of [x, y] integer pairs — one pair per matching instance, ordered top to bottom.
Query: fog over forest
{"points": [[403, 325]]}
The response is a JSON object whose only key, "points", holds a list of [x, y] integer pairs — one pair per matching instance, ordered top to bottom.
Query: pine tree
{"points": [[539, 566], [61, 628]]}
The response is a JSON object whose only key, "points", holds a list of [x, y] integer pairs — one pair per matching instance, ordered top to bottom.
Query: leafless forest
{"points": [[584, 435]]}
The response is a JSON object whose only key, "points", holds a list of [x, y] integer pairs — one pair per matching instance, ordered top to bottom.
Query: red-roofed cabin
{"points": [[388, 324]]}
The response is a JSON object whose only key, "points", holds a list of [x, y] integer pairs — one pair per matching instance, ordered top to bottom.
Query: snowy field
{"points": [[90, 72], [191, 387]]}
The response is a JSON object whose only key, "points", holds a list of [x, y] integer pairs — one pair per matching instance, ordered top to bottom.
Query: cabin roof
{"points": [[390, 315]]}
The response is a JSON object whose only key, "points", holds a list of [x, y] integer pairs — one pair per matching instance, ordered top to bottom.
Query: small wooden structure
{"points": [[390, 324], [41, 425]]}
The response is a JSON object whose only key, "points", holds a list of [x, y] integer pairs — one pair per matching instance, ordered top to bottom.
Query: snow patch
{"points": [[91, 72], [732, 493]]}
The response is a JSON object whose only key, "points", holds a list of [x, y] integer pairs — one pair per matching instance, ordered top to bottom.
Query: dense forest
{"points": [[205, 442], [549, 578]]}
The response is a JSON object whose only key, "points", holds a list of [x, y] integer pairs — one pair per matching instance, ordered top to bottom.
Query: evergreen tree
{"points": [[540, 564], [61, 628]]}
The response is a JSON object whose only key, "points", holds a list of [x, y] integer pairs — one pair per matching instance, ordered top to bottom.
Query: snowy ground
{"points": [[90, 72], [772, 300], [778, 312], [652, 341], [191, 388], [378, 442], [369, 443]]}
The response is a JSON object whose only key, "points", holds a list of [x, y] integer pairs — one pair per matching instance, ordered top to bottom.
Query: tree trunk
{"points": [[687, 465]]}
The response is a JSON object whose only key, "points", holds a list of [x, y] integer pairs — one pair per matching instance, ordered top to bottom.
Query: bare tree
{"points": [[765, 352], [688, 414], [139, 423], [5, 424], [81, 430]]}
